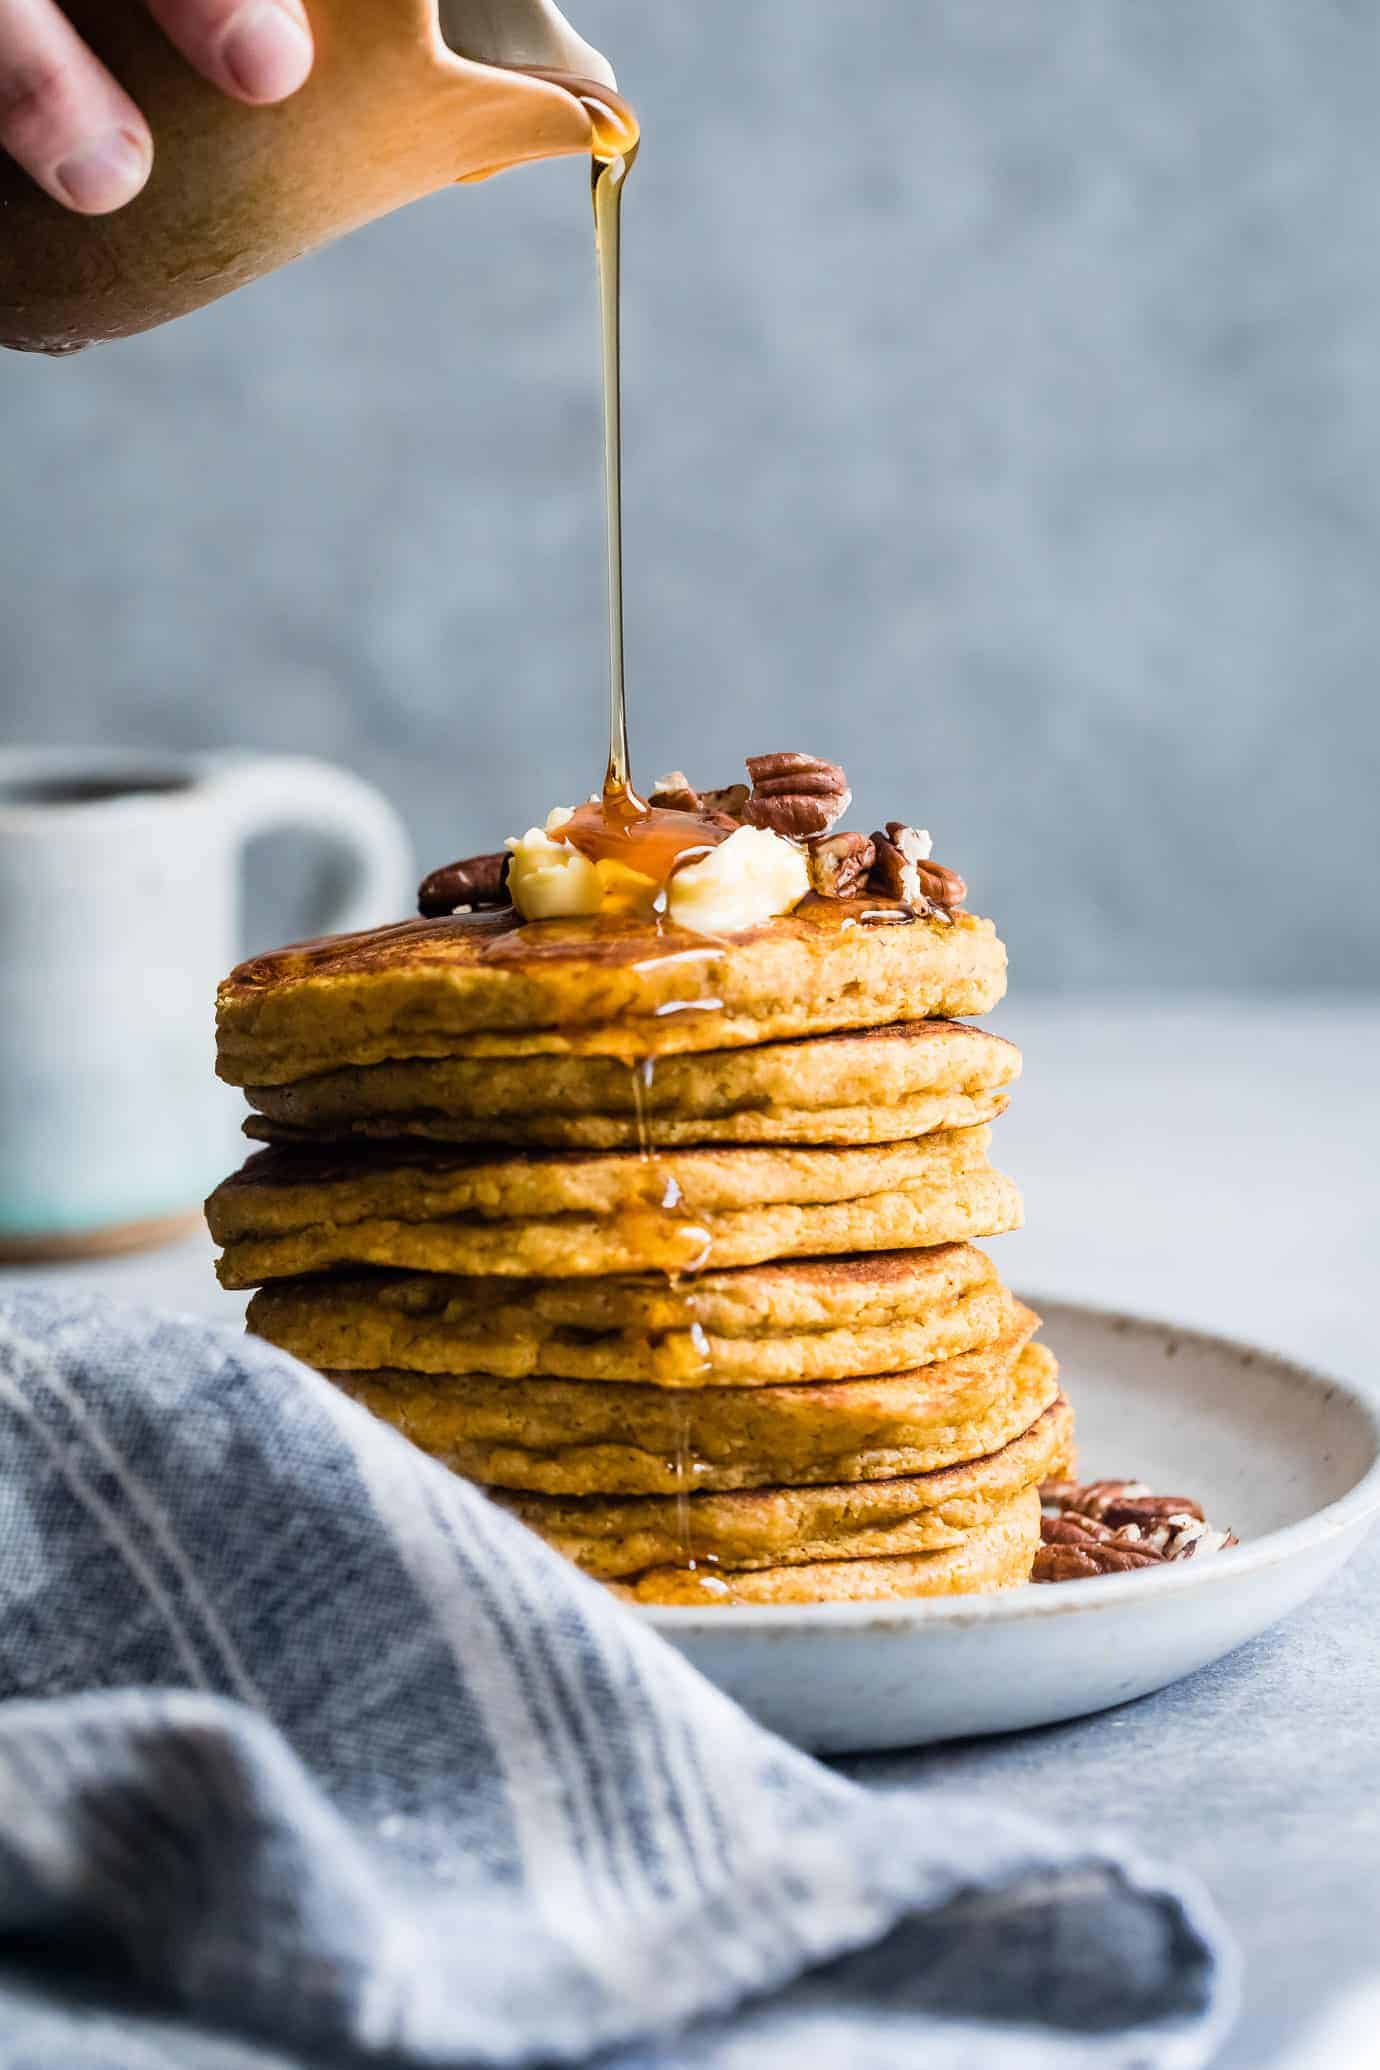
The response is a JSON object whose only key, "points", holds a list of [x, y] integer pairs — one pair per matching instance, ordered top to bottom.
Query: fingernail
{"points": [[266, 52], [107, 173]]}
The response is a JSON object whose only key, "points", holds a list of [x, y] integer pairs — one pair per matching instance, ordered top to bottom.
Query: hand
{"points": [[77, 131]]}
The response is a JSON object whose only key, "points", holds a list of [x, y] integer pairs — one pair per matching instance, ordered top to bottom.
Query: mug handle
{"points": [[263, 794]]}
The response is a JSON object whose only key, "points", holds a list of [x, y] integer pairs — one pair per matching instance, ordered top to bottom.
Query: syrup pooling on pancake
{"points": [[647, 841]]}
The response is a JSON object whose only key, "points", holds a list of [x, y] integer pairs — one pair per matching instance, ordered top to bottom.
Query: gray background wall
{"points": [[1003, 417]]}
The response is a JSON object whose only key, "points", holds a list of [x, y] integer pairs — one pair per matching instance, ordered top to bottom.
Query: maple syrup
{"points": [[616, 138], [612, 165], [620, 826], [652, 841], [696, 1369]]}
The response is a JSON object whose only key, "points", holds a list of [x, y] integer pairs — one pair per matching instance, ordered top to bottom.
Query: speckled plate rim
{"points": [[1349, 1512]]}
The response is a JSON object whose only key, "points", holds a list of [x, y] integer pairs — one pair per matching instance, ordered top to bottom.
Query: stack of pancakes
{"points": [[665, 1241]]}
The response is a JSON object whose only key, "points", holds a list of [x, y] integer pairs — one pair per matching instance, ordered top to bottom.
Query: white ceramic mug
{"points": [[119, 913]]}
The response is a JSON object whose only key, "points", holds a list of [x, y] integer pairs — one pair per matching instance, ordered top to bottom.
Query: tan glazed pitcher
{"points": [[407, 96]]}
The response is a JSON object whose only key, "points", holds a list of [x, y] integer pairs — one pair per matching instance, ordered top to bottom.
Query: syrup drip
{"points": [[675, 956], [670, 1006], [641, 1075], [688, 1328], [683, 1466]]}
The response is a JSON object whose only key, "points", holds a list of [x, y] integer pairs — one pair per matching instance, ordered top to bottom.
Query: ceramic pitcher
{"points": [[406, 97], [119, 914]]}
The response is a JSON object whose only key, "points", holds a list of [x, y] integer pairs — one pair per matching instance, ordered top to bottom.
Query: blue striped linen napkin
{"points": [[311, 1756]]}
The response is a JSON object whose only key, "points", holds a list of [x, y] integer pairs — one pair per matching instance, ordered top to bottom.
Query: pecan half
{"points": [[796, 795], [730, 803], [839, 864], [481, 880], [944, 889], [1126, 1502], [1110, 1527], [1180, 1537], [1074, 1547]]}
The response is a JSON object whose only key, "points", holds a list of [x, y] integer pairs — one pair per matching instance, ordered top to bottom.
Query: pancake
{"points": [[488, 985], [882, 1085], [918, 1117], [279, 1190], [975, 1204], [951, 1207], [806, 1294], [825, 1320], [573, 1437], [612, 1537], [998, 1556]]}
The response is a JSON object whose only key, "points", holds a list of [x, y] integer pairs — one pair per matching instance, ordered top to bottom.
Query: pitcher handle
{"points": [[263, 794]]}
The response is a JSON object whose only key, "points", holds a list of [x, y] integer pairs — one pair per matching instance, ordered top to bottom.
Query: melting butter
{"points": [[575, 867]]}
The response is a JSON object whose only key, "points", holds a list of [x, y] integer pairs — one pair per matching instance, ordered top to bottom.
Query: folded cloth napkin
{"points": [[310, 1755]]}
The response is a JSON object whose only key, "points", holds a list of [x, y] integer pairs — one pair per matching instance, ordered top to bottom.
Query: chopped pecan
{"points": [[675, 793], [796, 795], [730, 802], [913, 842], [839, 864], [904, 870], [894, 875], [481, 880], [1180, 1537]]}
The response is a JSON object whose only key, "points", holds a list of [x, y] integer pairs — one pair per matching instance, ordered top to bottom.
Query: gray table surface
{"points": [[1218, 1165]]}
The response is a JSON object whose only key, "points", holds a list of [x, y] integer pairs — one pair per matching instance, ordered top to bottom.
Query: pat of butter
{"points": [[750, 877], [550, 880], [625, 890]]}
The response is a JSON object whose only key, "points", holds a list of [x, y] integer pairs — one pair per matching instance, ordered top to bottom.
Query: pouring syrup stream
{"points": [[616, 137], [608, 176], [620, 825]]}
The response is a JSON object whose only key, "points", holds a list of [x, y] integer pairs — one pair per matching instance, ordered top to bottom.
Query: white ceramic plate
{"points": [[1285, 1456]]}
